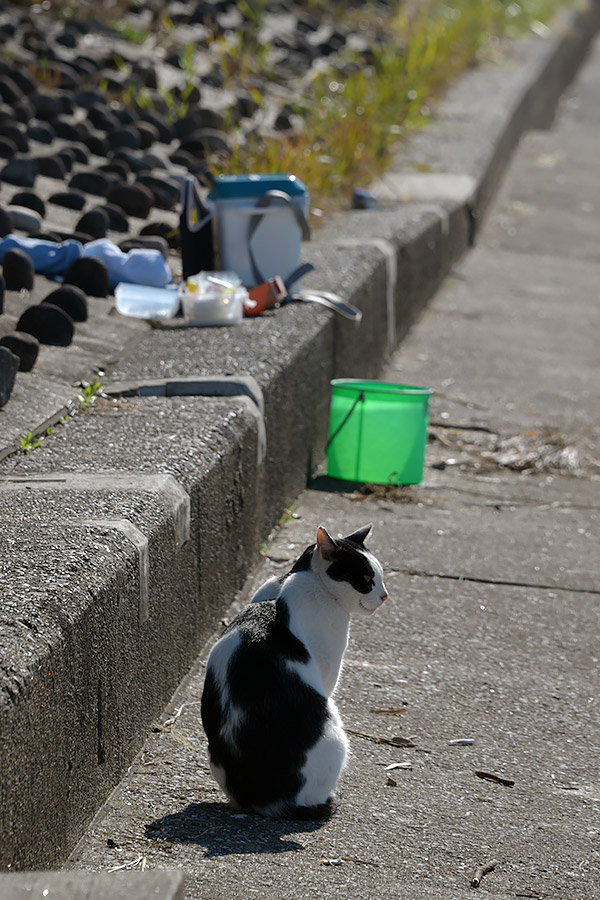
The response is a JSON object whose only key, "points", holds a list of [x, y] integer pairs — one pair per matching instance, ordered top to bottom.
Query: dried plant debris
{"points": [[537, 451], [392, 493], [398, 741], [498, 779], [339, 861], [140, 862], [480, 871], [531, 894]]}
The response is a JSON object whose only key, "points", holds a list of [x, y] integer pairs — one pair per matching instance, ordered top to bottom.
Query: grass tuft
{"points": [[358, 110], [350, 111]]}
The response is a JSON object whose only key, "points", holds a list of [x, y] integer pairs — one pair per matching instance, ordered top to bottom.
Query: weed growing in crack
{"points": [[89, 392], [87, 396], [31, 441]]}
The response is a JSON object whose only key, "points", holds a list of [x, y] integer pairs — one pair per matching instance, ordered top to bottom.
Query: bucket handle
{"points": [[267, 199], [358, 400]]}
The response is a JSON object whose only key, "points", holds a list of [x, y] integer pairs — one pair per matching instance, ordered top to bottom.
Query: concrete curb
{"points": [[101, 576], [108, 587], [86, 885]]}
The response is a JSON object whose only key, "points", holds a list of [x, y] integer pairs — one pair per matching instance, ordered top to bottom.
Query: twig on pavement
{"points": [[394, 742], [489, 776], [480, 871]]}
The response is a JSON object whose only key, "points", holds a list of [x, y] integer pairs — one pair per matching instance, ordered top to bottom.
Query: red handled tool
{"points": [[264, 296]]}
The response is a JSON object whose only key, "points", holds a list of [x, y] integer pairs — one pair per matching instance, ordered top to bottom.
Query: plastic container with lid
{"points": [[213, 298], [143, 302]]}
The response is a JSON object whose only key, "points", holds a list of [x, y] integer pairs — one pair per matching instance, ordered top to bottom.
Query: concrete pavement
{"points": [[490, 637]]}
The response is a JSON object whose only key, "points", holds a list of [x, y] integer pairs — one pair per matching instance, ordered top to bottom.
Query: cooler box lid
{"points": [[254, 186]]}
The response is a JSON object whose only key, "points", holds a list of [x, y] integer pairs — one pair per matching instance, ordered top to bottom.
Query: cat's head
{"points": [[353, 575]]}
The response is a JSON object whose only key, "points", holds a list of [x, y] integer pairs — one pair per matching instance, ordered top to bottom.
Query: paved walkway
{"points": [[491, 633]]}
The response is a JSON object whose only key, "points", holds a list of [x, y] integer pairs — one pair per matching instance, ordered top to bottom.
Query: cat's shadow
{"points": [[222, 830]]}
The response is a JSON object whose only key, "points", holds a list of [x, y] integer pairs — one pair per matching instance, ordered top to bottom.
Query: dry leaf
{"points": [[392, 782]]}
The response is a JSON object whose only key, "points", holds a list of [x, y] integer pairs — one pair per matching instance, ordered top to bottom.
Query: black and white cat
{"points": [[276, 742]]}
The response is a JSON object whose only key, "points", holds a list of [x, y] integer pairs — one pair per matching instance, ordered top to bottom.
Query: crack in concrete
{"points": [[454, 426], [511, 500], [497, 581]]}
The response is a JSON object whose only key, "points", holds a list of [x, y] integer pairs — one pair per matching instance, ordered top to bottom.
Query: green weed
{"points": [[128, 32], [360, 104], [357, 112], [89, 392], [86, 398], [31, 441]]}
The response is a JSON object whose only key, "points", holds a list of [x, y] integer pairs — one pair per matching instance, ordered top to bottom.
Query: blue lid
{"points": [[230, 186]]}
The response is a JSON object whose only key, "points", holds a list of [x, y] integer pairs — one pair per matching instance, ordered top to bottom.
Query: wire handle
{"points": [[358, 400]]}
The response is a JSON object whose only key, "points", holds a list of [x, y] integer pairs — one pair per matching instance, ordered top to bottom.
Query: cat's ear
{"points": [[359, 537], [325, 543]]}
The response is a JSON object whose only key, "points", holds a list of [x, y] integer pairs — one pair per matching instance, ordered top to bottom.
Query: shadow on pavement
{"points": [[333, 485], [222, 831]]}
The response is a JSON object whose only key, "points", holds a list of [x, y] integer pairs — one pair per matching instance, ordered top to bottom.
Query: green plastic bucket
{"points": [[377, 431]]}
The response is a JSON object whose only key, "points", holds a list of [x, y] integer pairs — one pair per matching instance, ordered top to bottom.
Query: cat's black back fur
{"points": [[288, 721]]}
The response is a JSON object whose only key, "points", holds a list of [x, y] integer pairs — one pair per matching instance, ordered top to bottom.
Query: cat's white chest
{"points": [[323, 627], [330, 663], [320, 673]]}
